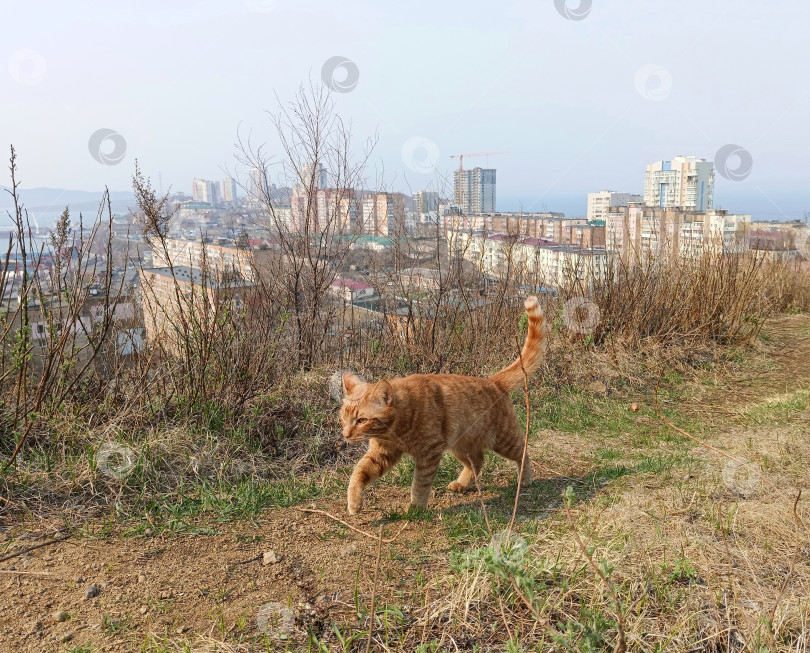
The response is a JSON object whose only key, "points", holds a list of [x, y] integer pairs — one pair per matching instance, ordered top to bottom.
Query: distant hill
{"points": [[46, 204]]}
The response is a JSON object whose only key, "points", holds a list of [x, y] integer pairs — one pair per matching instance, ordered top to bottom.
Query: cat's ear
{"points": [[350, 382], [384, 393]]}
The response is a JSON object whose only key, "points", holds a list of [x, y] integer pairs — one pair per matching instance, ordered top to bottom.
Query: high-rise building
{"points": [[315, 174], [685, 181], [257, 186], [198, 190], [474, 190], [206, 191], [212, 193], [229, 194], [599, 204], [426, 205], [382, 214]]}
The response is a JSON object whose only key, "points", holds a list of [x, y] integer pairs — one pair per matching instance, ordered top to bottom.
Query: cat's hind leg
{"points": [[510, 445], [374, 464], [424, 474], [467, 476]]}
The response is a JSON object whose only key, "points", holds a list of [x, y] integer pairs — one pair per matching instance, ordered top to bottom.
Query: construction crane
{"points": [[460, 157]]}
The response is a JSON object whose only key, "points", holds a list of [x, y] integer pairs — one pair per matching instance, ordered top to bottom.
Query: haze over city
{"points": [[574, 102]]}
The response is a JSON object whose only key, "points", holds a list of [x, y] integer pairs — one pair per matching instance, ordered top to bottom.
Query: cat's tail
{"points": [[511, 377]]}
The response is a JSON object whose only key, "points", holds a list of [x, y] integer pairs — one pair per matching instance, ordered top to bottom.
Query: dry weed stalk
{"points": [[354, 528], [374, 591]]}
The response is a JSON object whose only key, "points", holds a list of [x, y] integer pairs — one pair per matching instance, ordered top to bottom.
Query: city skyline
{"points": [[579, 114]]}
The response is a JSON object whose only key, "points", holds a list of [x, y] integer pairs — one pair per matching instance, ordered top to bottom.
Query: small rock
{"points": [[634, 407], [148, 532], [349, 549], [270, 558], [141, 578], [79, 580], [91, 592], [165, 594], [144, 609], [60, 615], [35, 627], [181, 630], [67, 637]]}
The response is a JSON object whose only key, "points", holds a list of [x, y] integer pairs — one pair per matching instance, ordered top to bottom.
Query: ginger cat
{"points": [[424, 415]]}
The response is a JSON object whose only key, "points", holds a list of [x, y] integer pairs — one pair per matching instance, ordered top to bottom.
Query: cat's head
{"points": [[367, 410]]}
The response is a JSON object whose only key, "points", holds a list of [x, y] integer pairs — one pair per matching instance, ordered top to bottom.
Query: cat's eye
{"points": [[361, 420]]}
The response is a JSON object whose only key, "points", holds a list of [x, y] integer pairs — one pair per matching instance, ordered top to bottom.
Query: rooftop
{"points": [[350, 284]]}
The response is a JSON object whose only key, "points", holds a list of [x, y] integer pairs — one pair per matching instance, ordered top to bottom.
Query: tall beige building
{"points": [[685, 182], [229, 193], [599, 204], [382, 214]]}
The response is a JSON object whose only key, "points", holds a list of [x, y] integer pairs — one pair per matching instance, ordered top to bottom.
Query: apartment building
{"points": [[685, 181], [474, 190], [205, 191], [230, 193], [599, 204], [426, 206], [381, 214], [553, 227], [639, 232], [222, 259], [551, 264], [169, 296]]}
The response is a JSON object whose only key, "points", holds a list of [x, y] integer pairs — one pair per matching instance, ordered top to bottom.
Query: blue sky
{"points": [[578, 105]]}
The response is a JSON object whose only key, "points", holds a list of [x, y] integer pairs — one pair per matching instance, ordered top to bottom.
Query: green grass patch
{"points": [[776, 412], [220, 503], [413, 513]]}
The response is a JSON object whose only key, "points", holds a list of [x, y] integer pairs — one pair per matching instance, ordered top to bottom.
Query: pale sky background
{"points": [[565, 98]]}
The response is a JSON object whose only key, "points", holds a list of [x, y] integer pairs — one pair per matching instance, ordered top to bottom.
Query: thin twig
{"points": [[525, 442], [481, 497], [357, 530], [36, 546], [790, 569], [16, 572], [374, 592], [427, 617], [505, 621]]}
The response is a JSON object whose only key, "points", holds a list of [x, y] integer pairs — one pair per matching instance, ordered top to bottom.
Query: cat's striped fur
{"points": [[424, 415]]}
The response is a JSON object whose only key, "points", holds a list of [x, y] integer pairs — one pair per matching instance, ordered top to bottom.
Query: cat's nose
{"points": [[346, 433]]}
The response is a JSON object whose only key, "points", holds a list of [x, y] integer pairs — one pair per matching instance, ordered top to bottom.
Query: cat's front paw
{"points": [[455, 486], [355, 503]]}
